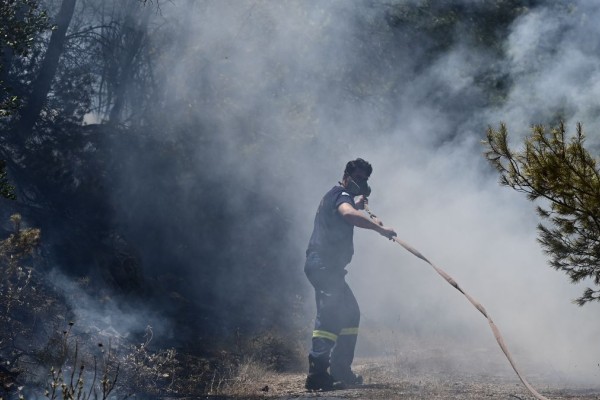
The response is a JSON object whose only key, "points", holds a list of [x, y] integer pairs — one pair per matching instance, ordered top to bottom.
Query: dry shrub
{"points": [[16, 277], [28, 308], [120, 367], [150, 372], [70, 381]]}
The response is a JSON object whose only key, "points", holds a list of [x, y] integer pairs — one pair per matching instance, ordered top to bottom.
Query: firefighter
{"points": [[330, 249]]}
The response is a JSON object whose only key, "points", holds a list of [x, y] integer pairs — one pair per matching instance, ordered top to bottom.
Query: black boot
{"points": [[318, 378], [348, 379]]}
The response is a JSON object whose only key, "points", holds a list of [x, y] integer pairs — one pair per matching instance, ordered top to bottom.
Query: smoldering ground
{"points": [[272, 98]]}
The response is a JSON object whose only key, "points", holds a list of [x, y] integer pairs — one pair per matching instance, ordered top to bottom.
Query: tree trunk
{"points": [[41, 86]]}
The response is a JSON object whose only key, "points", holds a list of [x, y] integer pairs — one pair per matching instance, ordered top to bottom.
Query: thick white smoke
{"points": [[310, 85]]}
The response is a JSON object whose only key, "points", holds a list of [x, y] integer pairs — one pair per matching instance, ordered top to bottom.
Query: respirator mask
{"points": [[358, 187]]}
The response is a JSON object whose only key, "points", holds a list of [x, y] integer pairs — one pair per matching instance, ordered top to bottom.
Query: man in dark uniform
{"points": [[330, 249]]}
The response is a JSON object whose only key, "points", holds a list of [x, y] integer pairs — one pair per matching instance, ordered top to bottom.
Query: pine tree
{"points": [[561, 173]]}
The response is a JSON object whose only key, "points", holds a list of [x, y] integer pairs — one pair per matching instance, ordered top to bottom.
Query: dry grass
{"points": [[258, 368], [244, 379]]}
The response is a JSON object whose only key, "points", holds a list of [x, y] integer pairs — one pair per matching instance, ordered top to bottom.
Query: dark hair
{"points": [[359, 163]]}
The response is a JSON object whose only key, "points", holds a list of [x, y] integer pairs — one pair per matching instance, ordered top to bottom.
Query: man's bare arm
{"points": [[359, 219]]}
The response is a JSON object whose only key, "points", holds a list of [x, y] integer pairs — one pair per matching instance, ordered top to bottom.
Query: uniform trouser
{"points": [[338, 317]]}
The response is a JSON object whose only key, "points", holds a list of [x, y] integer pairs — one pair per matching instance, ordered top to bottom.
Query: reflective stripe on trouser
{"points": [[338, 315], [326, 335]]}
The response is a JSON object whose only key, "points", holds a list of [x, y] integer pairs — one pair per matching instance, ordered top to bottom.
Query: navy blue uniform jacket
{"points": [[332, 236]]}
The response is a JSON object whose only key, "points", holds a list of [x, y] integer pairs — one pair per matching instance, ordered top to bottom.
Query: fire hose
{"points": [[475, 303]]}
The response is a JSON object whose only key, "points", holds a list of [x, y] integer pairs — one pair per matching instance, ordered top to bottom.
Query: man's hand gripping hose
{"points": [[475, 303]]}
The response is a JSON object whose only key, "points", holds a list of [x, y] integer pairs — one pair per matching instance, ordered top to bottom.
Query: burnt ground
{"points": [[430, 378], [383, 383]]}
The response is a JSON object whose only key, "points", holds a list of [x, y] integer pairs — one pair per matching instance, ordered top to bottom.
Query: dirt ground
{"points": [[384, 379]]}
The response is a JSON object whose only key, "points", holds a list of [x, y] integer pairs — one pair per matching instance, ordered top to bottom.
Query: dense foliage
{"points": [[21, 21]]}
